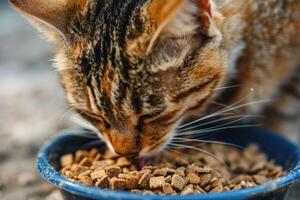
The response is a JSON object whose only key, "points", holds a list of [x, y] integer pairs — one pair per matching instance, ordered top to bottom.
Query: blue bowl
{"points": [[276, 147]]}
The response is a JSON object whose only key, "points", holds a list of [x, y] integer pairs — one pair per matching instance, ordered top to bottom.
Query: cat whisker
{"points": [[228, 87], [225, 106], [222, 111], [218, 112], [241, 117], [84, 124], [218, 129], [178, 139]]}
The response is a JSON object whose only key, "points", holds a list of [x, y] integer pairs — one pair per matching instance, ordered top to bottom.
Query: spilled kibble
{"points": [[173, 173]]}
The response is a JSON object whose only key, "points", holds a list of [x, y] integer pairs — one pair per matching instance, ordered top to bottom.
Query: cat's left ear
{"points": [[159, 13], [52, 14]]}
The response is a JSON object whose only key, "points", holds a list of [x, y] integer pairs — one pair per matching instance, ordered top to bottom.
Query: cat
{"points": [[136, 68]]}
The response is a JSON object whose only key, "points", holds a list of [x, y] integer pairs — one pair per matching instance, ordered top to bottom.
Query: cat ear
{"points": [[51, 13], [159, 14], [205, 14]]}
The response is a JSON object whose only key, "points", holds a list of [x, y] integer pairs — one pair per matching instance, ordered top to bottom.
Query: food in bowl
{"points": [[215, 168]]}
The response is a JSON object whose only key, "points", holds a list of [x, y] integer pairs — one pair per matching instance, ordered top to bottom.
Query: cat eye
{"points": [[95, 119]]}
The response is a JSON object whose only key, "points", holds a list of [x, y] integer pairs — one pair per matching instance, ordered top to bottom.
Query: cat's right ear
{"points": [[51, 15]]}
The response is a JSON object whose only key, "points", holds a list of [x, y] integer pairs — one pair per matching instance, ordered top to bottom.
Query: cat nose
{"points": [[125, 144]]}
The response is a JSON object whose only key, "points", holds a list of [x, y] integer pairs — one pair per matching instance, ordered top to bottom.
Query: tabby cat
{"points": [[136, 68]]}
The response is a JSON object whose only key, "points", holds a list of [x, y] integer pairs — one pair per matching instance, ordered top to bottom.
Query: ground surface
{"points": [[32, 107]]}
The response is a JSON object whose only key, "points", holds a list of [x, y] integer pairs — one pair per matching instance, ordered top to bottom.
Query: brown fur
{"points": [[136, 68]]}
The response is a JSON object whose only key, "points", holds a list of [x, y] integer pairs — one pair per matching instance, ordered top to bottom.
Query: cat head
{"points": [[134, 68]]}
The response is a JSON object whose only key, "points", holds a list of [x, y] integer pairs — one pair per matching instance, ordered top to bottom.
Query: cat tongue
{"points": [[141, 162]]}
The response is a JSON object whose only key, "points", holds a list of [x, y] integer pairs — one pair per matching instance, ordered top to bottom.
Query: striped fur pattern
{"points": [[135, 68]]}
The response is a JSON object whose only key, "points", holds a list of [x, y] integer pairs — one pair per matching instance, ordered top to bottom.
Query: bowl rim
{"points": [[53, 177]]}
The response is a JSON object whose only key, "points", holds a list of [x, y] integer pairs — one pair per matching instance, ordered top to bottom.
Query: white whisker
{"points": [[228, 87], [222, 111], [219, 120], [218, 129], [205, 142]]}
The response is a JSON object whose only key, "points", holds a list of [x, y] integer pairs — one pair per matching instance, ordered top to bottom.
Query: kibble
{"points": [[189, 173], [156, 182]]}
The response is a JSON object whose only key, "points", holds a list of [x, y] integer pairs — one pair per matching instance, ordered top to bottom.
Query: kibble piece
{"points": [[93, 152], [80, 154], [109, 155], [97, 157], [66, 160], [182, 161], [85, 162], [123, 162], [102, 164], [257, 166], [148, 167], [78, 169], [125, 170], [204, 170], [113, 171], [144, 171], [170, 171], [160, 172], [180, 172], [85, 173], [191, 173], [69, 174], [97, 174], [193, 178], [205, 178], [168, 179], [258, 179], [86, 180], [144, 181], [103, 182], [132, 182], [156, 182], [178, 182], [117, 183], [216, 183], [237, 187], [207, 188], [167, 189], [189, 189], [199, 189], [217, 189], [137, 191], [147, 192]]}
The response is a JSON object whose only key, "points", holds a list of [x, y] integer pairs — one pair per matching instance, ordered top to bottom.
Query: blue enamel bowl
{"points": [[276, 147]]}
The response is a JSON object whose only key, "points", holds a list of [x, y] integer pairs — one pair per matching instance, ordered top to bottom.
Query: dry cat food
{"points": [[184, 172]]}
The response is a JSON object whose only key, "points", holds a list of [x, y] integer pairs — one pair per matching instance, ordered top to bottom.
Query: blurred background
{"points": [[32, 107]]}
